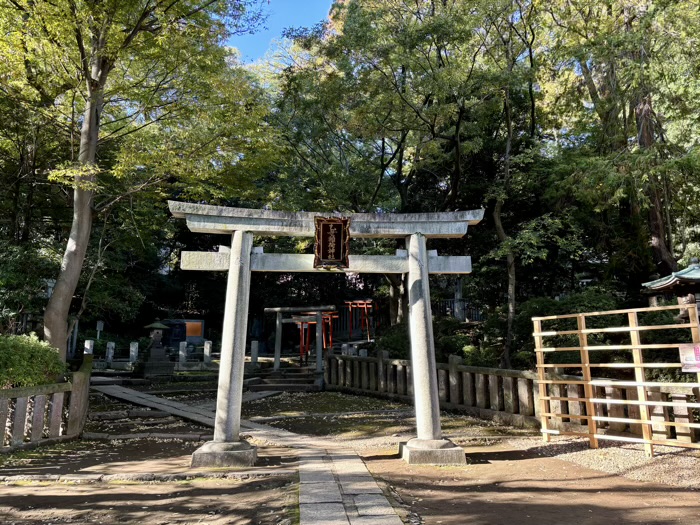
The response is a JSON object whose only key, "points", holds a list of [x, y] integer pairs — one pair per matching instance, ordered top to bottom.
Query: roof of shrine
{"points": [[685, 277]]}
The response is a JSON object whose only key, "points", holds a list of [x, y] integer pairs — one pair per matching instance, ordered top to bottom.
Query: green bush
{"points": [[592, 299], [451, 338], [396, 341], [451, 345], [26, 361]]}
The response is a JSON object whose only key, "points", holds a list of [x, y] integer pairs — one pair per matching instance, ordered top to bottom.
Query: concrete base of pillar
{"points": [[432, 452], [225, 454]]}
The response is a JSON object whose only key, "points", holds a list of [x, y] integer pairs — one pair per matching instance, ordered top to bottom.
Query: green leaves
{"points": [[26, 361]]}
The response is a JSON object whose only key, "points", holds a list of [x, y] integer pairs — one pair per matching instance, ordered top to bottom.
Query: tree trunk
{"points": [[646, 137], [497, 212], [510, 262], [398, 303], [58, 308]]}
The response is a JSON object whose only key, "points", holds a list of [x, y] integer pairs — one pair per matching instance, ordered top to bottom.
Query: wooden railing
{"points": [[513, 397], [623, 409], [44, 414]]}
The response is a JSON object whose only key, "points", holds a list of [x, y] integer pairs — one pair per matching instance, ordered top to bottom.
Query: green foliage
{"points": [[24, 271], [591, 299], [451, 338], [396, 341], [26, 361]]}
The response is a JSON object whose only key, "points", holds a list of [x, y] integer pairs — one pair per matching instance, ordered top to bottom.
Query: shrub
{"points": [[396, 341], [26, 361]]}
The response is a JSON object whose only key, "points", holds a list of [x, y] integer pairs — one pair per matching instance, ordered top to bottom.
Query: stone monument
{"points": [[157, 362]]}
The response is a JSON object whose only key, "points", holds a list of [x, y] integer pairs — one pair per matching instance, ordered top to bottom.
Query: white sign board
{"points": [[690, 357]]}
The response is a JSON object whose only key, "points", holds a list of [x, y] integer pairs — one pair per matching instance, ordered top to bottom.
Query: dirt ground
{"points": [[511, 476], [503, 485], [259, 499], [215, 502]]}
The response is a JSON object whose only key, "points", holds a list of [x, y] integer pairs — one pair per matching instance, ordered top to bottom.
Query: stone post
{"points": [[459, 312], [278, 341], [319, 342], [254, 346], [89, 347], [344, 349], [110, 352], [133, 352], [183, 352], [207, 352], [381, 369], [454, 378], [428, 447], [227, 448]]}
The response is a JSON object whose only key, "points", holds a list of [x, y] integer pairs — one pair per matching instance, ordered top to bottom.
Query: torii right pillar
{"points": [[428, 447]]}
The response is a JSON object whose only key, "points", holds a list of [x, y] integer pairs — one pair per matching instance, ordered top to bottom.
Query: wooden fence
{"points": [[513, 397], [632, 405], [33, 416]]}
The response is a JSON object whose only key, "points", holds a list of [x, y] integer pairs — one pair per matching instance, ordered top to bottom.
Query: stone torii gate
{"points": [[227, 447]]}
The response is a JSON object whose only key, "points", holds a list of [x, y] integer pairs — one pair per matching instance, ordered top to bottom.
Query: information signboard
{"points": [[332, 242], [690, 357]]}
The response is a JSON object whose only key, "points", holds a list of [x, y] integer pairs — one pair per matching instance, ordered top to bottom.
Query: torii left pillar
{"points": [[227, 448]]}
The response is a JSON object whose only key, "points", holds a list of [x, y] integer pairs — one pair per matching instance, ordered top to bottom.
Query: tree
{"points": [[124, 62], [616, 70]]}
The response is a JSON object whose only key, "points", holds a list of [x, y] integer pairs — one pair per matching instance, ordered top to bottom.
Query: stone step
{"points": [[288, 370], [287, 380], [285, 388]]}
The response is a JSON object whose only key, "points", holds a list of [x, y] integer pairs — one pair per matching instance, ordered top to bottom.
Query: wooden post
{"points": [[695, 333], [640, 377], [542, 387], [587, 387], [79, 397]]}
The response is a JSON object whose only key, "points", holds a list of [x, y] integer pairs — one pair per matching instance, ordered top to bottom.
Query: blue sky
{"points": [[282, 14]]}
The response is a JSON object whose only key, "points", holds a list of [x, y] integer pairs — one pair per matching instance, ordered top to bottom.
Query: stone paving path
{"points": [[191, 413], [335, 487]]}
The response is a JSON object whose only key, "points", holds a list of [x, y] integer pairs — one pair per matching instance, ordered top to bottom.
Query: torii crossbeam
{"points": [[241, 259]]}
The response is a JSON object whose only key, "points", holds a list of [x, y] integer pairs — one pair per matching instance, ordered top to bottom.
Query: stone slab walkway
{"points": [[190, 413], [335, 487]]}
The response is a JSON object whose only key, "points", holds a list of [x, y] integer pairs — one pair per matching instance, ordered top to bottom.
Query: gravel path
{"points": [[673, 466]]}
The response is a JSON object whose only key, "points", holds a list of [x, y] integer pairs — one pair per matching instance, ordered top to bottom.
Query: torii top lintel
{"points": [[203, 218]]}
